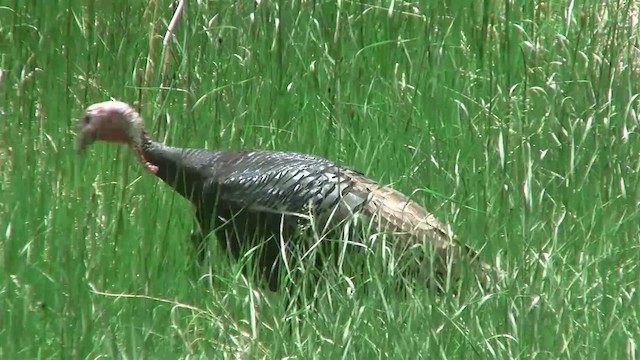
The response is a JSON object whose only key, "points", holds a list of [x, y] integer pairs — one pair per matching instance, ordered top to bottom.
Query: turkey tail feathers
{"points": [[413, 226]]}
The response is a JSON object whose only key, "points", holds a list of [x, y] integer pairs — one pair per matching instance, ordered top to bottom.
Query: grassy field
{"points": [[515, 122]]}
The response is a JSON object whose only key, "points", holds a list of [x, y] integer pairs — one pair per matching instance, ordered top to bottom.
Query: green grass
{"points": [[515, 122]]}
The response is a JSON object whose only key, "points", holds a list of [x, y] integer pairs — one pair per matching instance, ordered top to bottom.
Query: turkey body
{"points": [[263, 198], [268, 204]]}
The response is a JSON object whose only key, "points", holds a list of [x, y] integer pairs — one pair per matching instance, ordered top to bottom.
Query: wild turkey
{"points": [[251, 196]]}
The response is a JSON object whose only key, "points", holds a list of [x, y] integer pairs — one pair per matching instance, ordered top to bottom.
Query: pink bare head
{"points": [[116, 122]]}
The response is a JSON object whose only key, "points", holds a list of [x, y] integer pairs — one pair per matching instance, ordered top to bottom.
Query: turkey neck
{"points": [[185, 170]]}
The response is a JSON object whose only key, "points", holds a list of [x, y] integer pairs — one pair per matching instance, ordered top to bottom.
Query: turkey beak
{"points": [[86, 135], [83, 141]]}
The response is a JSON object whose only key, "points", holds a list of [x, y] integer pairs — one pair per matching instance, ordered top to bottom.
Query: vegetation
{"points": [[516, 122]]}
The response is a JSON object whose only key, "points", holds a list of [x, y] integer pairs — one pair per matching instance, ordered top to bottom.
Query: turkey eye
{"points": [[86, 119]]}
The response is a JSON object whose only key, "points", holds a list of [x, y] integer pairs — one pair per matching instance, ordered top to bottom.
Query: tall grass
{"points": [[516, 122]]}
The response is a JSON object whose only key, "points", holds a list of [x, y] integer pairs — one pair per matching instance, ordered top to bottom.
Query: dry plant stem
{"points": [[152, 35], [166, 49]]}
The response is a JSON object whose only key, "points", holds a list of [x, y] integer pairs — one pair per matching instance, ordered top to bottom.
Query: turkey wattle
{"points": [[250, 197]]}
